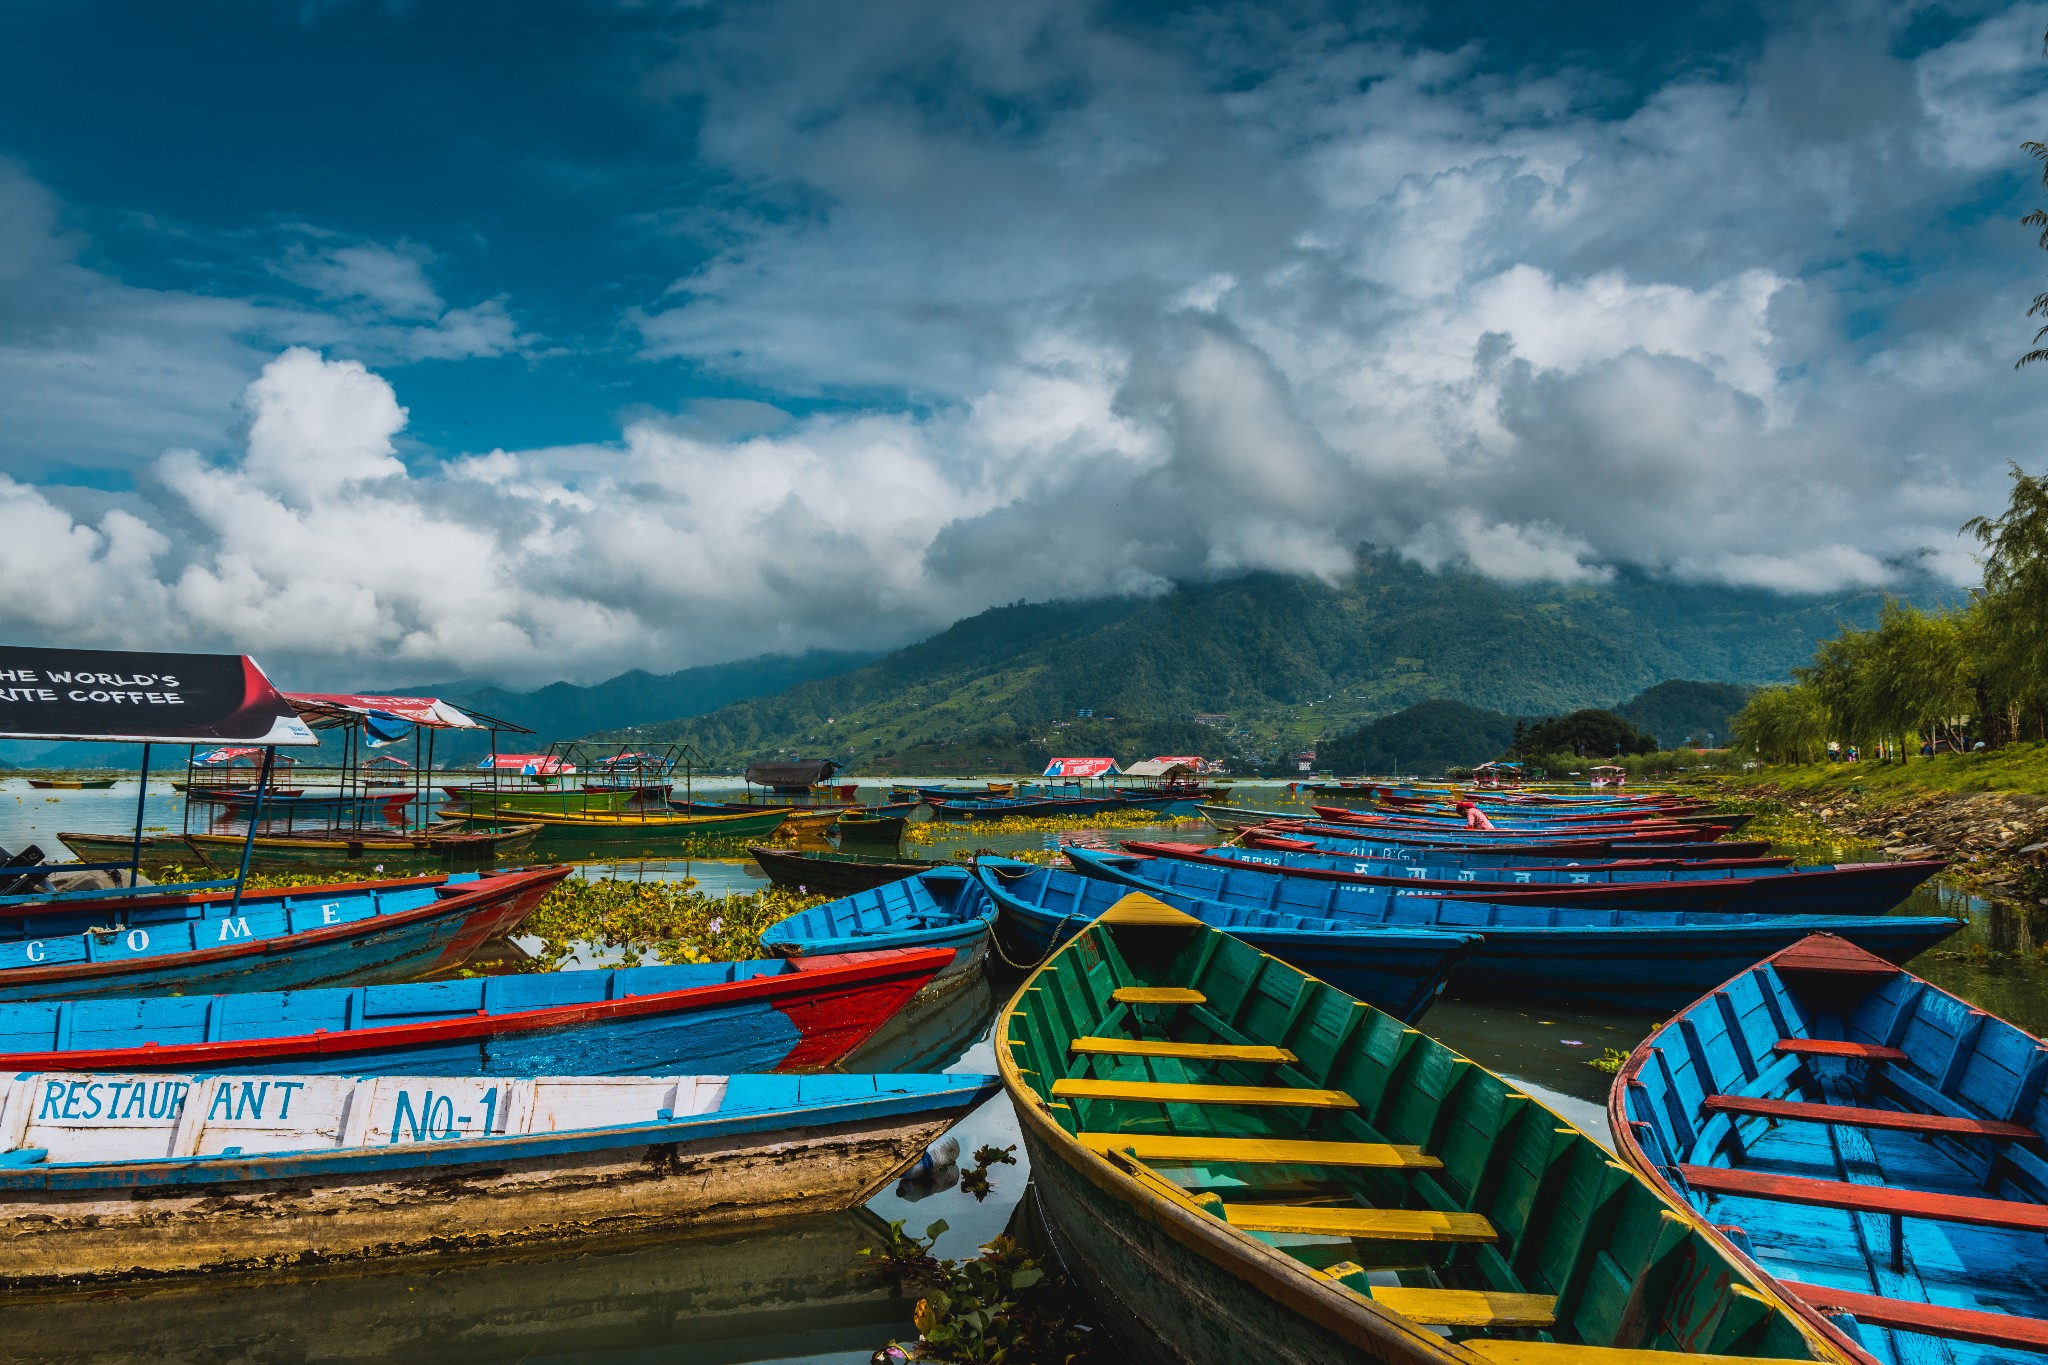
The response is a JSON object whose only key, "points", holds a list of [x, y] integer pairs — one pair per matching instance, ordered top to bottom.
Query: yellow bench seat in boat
{"points": [[1158, 995], [1191, 1052], [1182, 1092], [1261, 1151], [1384, 1225]]}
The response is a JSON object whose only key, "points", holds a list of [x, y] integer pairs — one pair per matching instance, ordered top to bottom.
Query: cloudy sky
{"points": [[408, 340]]}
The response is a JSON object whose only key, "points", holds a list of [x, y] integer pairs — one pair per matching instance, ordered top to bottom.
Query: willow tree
{"points": [[2012, 607], [1782, 724]]}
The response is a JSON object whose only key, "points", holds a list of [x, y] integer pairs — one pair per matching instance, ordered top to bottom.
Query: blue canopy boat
{"points": [[1852, 889], [943, 908], [155, 941], [1620, 959], [1399, 970], [772, 1015], [1868, 1140], [124, 1175]]}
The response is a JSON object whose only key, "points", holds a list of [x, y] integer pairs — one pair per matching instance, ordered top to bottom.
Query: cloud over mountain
{"points": [[1047, 302]]}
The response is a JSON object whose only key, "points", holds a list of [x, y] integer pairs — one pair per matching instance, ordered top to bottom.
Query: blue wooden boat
{"points": [[1379, 840], [1452, 855], [1851, 889], [943, 908], [205, 942], [1620, 959], [1397, 969], [770, 1015], [1868, 1140], [1241, 1163], [130, 1174]]}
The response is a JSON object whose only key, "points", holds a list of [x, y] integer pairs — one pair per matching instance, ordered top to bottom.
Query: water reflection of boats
{"points": [[929, 1034], [793, 1290]]}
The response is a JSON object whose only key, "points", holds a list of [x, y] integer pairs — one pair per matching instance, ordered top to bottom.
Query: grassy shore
{"points": [[2015, 768]]}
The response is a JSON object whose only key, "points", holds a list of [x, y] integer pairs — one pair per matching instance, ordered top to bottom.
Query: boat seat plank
{"points": [[1158, 995], [1835, 1047], [1192, 1052], [1180, 1092], [1850, 1116], [1261, 1151], [1838, 1194], [1388, 1225], [1450, 1307], [1467, 1307], [1929, 1319], [1570, 1353]]}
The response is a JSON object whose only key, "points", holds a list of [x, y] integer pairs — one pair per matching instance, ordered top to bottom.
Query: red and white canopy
{"points": [[332, 707], [533, 765], [1082, 767]]}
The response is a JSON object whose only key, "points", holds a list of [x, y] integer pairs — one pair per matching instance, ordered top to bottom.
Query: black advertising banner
{"points": [[141, 697]]}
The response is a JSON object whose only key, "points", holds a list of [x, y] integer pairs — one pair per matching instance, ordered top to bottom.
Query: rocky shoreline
{"points": [[1996, 841]]}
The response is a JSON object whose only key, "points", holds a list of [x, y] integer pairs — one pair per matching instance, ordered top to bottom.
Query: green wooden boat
{"points": [[540, 800], [453, 849], [1243, 1163]]}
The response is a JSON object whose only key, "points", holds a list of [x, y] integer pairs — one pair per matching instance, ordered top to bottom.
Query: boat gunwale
{"points": [[442, 906], [265, 1167]]}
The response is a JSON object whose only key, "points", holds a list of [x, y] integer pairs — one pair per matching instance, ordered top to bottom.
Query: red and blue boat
{"points": [[1850, 889], [212, 940], [1653, 960], [771, 1015], [1868, 1141]]}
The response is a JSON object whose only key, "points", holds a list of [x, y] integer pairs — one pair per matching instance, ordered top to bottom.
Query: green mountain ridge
{"points": [[1286, 660]]}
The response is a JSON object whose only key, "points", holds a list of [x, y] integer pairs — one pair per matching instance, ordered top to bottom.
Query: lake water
{"points": [[792, 1293]]}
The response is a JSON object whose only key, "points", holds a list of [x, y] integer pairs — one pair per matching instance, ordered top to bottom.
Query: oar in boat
{"points": [[1244, 1163]]}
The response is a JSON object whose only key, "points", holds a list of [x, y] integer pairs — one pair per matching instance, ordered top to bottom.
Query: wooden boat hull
{"points": [[71, 784], [565, 801], [1386, 843], [345, 851], [1489, 859], [834, 874], [1855, 889], [140, 958], [1639, 960], [1401, 971], [635, 1021], [1868, 1139], [1162, 1142], [230, 1215], [802, 1283], [1175, 1293]]}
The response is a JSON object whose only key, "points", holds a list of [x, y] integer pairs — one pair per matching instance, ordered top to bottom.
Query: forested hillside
{"points": [[1285, 660]]}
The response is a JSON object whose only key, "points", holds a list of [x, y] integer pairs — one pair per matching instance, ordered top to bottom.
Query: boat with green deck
{"points": [[1243, 1163]]}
